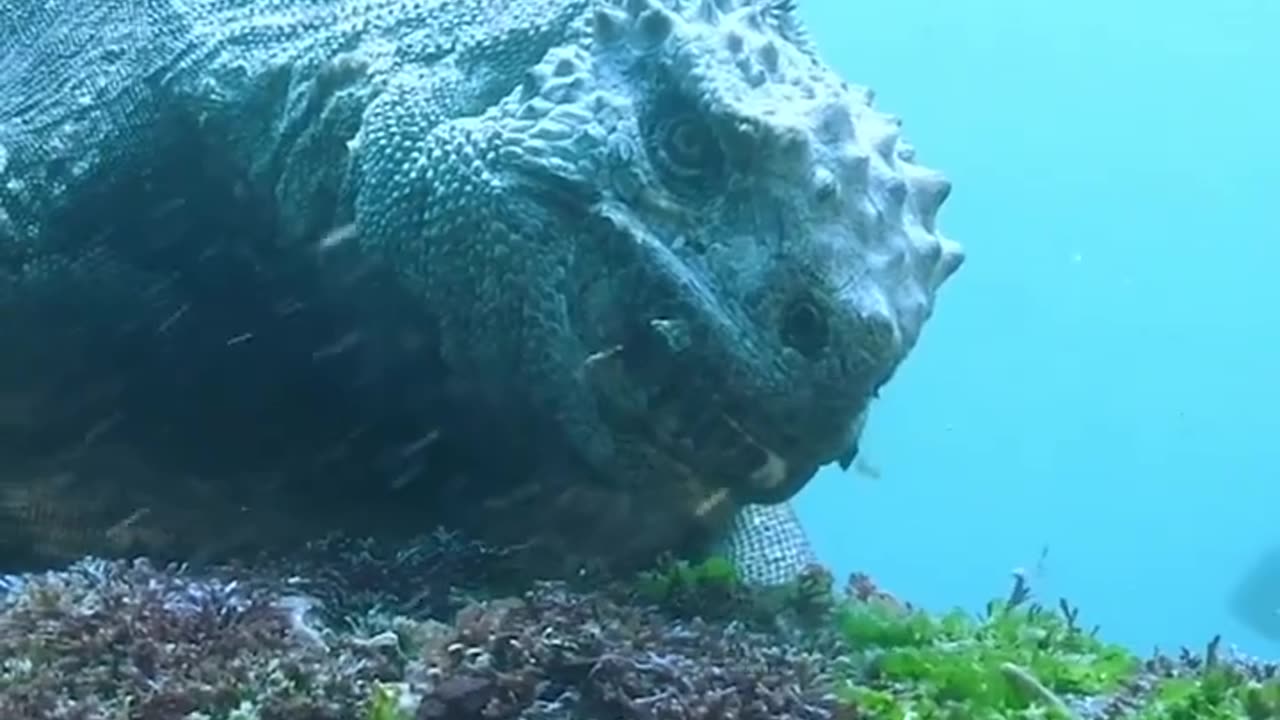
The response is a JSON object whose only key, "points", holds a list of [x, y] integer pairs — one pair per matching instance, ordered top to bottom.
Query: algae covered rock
{"points": [[451, 629]]}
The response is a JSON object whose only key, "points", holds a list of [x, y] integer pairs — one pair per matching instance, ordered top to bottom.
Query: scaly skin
{"points": [[659, 252]]}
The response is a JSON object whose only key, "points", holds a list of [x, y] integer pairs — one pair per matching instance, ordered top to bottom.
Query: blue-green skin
{"points": [[646, 235]]}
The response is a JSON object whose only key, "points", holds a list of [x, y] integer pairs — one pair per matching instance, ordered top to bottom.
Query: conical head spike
{"points": [[608, 26], [655, 26], [886, 142], [931, 191], [949, 261]]}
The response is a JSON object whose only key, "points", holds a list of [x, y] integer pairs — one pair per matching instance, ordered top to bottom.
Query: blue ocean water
{"points": [[1100, 378]]}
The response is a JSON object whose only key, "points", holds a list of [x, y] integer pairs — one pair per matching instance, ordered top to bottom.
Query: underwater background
{"points": [[1100, 378]]}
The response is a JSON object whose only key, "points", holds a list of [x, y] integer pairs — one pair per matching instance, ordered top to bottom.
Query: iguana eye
{"points": [[687, 146], [685, 151], [804, 328]]}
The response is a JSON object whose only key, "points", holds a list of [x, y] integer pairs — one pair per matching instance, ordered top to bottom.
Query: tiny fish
{"points": [[337, 236], [172, 319], [337, 347], [600, 356], [100, 428], [420, 444], [866, 469], [406, 477]]}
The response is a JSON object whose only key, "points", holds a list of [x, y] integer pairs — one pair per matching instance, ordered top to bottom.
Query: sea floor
{"points": [[448, 629]]}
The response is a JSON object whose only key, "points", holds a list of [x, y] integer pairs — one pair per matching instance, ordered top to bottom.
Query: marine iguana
{"points": [[635, 266]]}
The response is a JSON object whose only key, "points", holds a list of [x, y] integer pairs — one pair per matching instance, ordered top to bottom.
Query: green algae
{"points": [[711, 588], [1017, 660], [1021, 661], [1012, 662], [1218, 692], [384, 704]]}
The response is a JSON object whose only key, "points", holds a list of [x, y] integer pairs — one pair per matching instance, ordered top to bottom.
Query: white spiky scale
{"points": [[654, 26], [804, 117], [931, 189], [906, 260]]}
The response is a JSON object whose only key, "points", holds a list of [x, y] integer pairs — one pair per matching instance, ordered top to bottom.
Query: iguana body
{"points": [[630, 266]]}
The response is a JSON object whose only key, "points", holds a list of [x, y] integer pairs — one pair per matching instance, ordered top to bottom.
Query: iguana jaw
{"points": [[673, 381]]}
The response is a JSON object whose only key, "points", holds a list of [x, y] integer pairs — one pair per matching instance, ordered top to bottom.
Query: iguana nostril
{"points": [[804, 328]]}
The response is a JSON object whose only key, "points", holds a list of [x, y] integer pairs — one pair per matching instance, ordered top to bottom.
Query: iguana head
{"points": [[734, 249]]}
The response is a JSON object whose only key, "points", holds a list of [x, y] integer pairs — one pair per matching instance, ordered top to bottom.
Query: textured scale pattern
{"points": [[659, 237], [767, 544]]}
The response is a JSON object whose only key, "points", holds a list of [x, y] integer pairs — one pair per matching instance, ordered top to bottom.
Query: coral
{"points": [[365, 580], [450, 629], [115, 639], [129, 640], [558, 653]]}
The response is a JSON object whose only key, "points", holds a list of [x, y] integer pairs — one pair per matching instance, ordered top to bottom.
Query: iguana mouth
{"points": [[686, 428], [692, 429]]}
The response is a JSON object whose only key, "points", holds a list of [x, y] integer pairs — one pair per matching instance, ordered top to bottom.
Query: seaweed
{"points": [[712, 589], [440, 631], [1018, 659], [1205, 687]]}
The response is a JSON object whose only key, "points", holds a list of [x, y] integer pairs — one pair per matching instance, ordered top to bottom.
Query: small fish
{"points": [[337, 236], [173, 319], [339, 346], [599, 356], [100, 428], [422, 443], [866, 468], [129, 533], [1042, 562], [1038, 571]]}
